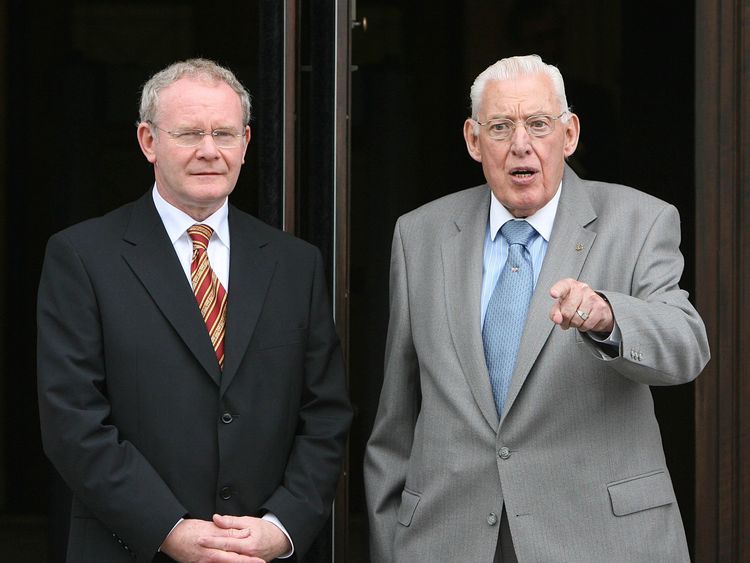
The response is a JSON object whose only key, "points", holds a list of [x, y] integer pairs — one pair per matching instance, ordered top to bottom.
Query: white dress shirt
{"points": [[176, 223]]}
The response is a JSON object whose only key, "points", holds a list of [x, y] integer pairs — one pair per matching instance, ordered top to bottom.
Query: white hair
{"points": [[513, 67]]}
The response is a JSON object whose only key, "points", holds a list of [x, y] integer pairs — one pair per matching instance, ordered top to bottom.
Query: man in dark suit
{"points": [[191, 386]]}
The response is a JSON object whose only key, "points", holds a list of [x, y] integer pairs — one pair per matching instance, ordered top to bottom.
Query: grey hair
{"points": [[513, 67], [204, 69]]}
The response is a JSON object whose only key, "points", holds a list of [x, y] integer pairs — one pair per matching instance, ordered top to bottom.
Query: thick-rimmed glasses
{"points": [[539, 125], [223, 138]]}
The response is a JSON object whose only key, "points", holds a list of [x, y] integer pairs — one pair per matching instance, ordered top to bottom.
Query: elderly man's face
{"points": [[523, 171], [195, 179]]}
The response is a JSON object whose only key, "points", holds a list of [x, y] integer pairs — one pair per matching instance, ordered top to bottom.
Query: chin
{"points": [[208, 180], [212, 185], [526, 208]]}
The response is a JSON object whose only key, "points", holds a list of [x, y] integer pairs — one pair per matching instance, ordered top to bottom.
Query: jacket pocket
{"points": [[641, 493], [409, 502]]}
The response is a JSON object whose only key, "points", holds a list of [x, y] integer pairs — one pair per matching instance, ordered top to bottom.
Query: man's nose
{"points": [[520, 140], [207, 147]]}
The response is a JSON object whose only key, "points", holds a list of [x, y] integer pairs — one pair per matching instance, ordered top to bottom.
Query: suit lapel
{"points": [[568, 248], [152, 258], [251, 268], [462, 269]]}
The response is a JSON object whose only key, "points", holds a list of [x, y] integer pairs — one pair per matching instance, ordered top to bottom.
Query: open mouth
{"points": [[522, 172]]}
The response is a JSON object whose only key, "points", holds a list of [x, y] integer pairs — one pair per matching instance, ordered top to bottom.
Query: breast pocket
{"points": [[279, 338], [641, 492]]}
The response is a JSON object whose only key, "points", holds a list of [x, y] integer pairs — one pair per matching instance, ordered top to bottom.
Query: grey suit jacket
{"points": [[577, 457]]}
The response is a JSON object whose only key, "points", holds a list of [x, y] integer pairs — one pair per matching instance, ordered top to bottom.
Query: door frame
{"points": [[722, 191]]}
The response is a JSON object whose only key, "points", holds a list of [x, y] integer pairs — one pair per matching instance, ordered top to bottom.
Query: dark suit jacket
{"points": [[137, 416]]}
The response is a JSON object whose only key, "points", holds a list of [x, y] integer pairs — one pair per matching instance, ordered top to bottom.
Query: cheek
{"points": [[494, 156], [551, 158], [173, 163], [235, 163], [492, 171]]}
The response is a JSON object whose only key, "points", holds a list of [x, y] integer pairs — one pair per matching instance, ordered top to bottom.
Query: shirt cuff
{"points": [[614, 338], [271, 517], [170, 532]]}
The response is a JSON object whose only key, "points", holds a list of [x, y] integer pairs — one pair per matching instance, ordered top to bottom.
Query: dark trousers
{"points": [[505, 552]]}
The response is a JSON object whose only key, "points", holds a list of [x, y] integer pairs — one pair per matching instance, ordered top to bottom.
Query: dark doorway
{"points": [[629, 76], [70, 87], [70, 92]]}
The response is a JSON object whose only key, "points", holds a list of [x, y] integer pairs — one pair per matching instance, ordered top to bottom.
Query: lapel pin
{"points": [[579, 247], [513, 269]]}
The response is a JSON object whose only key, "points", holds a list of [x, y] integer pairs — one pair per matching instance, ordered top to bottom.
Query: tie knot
{"points": [[518, 232], [200, 235]]}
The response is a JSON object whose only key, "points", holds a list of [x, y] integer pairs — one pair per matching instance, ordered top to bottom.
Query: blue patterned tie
{"points": [[507, 309]]}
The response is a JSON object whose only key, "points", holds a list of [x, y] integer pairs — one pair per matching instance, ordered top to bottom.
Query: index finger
{"points": [[561, 288], [230, 521], [233, 545]]}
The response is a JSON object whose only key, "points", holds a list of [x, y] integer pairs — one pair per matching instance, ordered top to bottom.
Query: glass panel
{"points": [[417, 61], [77, 68]]}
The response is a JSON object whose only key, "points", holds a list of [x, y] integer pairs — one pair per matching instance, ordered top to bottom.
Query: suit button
{"points": [[226, 418], [503, 453], [225, 493], [492, 518]]}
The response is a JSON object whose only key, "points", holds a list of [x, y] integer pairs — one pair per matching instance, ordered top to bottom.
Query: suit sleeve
{"points": [[663, 338], [389, 446], [108, 474], [303, 501]]}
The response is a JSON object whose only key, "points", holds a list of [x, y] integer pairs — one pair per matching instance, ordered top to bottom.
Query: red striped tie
{"points": [[211, 295]]}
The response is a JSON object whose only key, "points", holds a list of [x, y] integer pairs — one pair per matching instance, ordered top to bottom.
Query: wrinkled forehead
{"points": [[189, 96], [519, 97]]}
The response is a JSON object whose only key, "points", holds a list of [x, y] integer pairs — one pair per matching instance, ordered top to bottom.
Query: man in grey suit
{"points": [[548, 449]]}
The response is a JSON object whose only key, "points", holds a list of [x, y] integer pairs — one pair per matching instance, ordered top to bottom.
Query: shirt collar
{"points": [[542, 220], [177, 222]]}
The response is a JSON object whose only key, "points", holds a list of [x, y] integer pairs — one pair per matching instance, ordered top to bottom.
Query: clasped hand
{"points": [[226, 539]]}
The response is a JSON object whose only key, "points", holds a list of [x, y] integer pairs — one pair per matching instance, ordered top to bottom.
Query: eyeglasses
{"points": [[536, 126], [223, 138]]}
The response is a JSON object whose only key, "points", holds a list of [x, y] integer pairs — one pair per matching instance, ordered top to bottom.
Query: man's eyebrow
{"points": [[524, 116], [184, 127], [197, 128]]}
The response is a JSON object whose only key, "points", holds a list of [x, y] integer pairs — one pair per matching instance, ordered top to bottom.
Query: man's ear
{"points": [[572, 134], [247, 135], [146, 140], [472, 140]]}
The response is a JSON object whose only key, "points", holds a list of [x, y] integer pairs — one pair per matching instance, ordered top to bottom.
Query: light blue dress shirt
{"points": [[496, 247], [496, 253]]}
